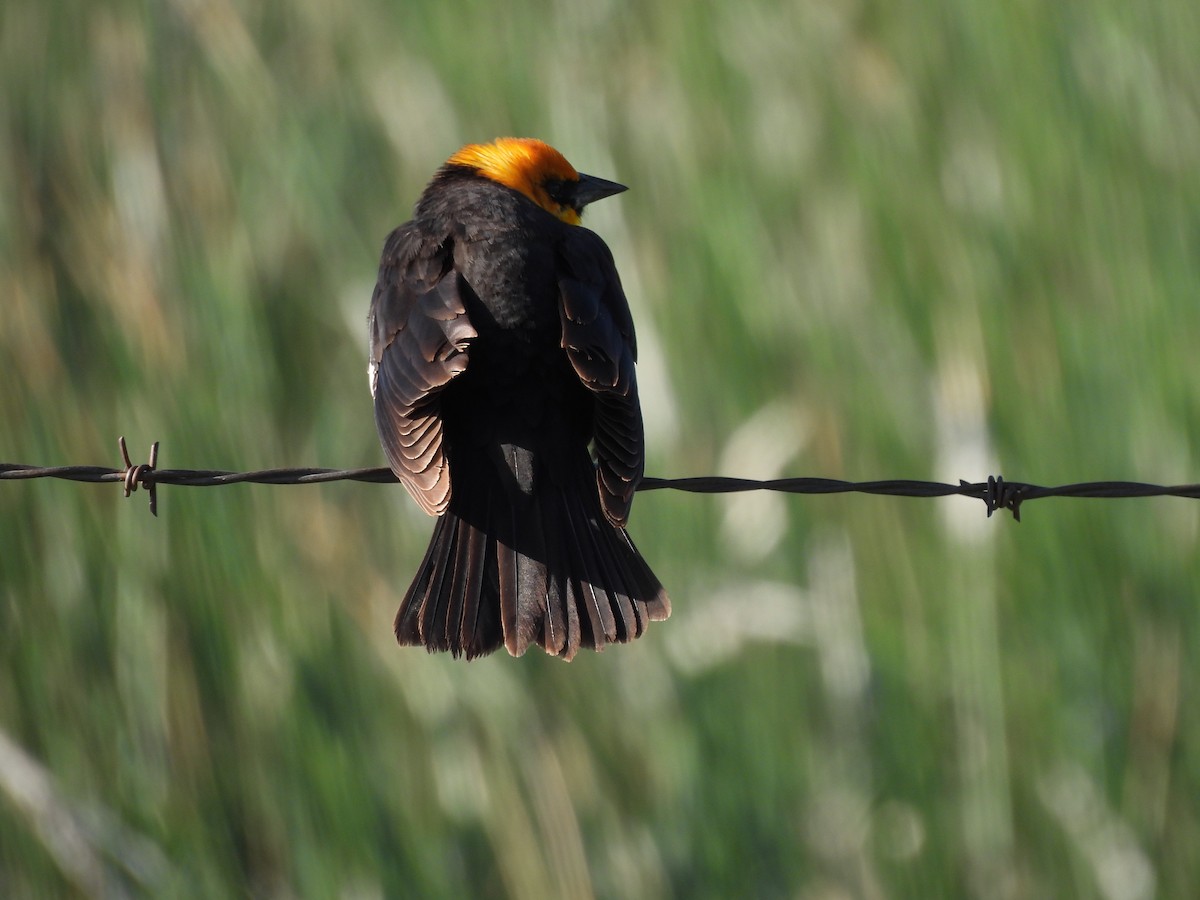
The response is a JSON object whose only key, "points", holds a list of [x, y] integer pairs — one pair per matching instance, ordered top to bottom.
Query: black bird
{"points": [[502, 361]]}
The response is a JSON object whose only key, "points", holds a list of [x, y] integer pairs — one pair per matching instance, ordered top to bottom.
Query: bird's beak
{"points": [[591, 188]]}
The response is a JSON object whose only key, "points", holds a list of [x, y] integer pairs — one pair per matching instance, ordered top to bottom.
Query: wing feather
{"points": [[420, 336], [598, 337]]}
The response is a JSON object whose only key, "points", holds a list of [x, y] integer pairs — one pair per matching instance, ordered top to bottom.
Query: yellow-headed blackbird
{"points": [[501, 348]]}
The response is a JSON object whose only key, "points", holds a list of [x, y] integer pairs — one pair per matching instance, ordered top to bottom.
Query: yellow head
{"points": [[538, 171]]}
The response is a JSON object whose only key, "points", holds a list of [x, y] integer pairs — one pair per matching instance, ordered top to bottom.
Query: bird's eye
{"points": [[558, 191]]}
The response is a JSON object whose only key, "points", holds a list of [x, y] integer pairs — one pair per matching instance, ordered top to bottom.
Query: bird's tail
{"points": [[543, 567]]}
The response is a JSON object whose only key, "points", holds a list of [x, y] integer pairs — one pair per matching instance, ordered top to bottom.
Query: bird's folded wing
{"points": [[420, 336], [598, 336]]}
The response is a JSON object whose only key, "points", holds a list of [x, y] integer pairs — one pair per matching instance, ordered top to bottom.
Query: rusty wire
{"points": [[996, 493]]}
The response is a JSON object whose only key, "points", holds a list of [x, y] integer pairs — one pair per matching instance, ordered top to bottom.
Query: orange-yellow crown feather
{"points": [[525, 165]]}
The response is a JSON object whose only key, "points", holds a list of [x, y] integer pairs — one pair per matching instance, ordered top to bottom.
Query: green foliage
{"points": [[863, 240]]}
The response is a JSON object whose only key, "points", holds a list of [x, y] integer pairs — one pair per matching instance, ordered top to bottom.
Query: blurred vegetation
{"points": [[863, 240]]}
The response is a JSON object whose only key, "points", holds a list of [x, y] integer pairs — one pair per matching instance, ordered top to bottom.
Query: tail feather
{"points": [[506, 561], [546, 569], [532, 576], [459, 579], [468, 587], [632, 604], [655, 604], [433, 610], [409, 618], [560, 623], [603, 628]]}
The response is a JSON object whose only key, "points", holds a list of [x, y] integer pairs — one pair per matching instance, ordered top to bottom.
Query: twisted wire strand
{"points": [[996, 493]]}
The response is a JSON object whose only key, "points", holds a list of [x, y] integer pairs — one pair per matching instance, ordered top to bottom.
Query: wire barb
{"points": [[141, 475], [1001, 494]]}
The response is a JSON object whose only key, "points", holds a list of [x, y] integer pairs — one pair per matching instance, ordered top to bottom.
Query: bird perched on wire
{"points": [[502, 349]]}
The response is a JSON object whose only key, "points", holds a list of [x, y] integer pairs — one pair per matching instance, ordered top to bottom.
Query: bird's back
{"points": [[519, 388]]}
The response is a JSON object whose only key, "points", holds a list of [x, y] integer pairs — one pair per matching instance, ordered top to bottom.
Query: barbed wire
{"points": [[996, 493]]}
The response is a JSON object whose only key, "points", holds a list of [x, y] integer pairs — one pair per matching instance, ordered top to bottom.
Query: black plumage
{"points": [[502, 348]]}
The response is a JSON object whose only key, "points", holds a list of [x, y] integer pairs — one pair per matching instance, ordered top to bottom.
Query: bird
{"points": [[502, 370]]}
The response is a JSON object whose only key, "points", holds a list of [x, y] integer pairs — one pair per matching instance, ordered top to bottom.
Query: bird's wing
{"points": [[597, 334], [419, 340]]}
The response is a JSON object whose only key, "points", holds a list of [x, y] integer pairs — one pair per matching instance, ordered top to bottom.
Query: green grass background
{"points": [[863, 240]]}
